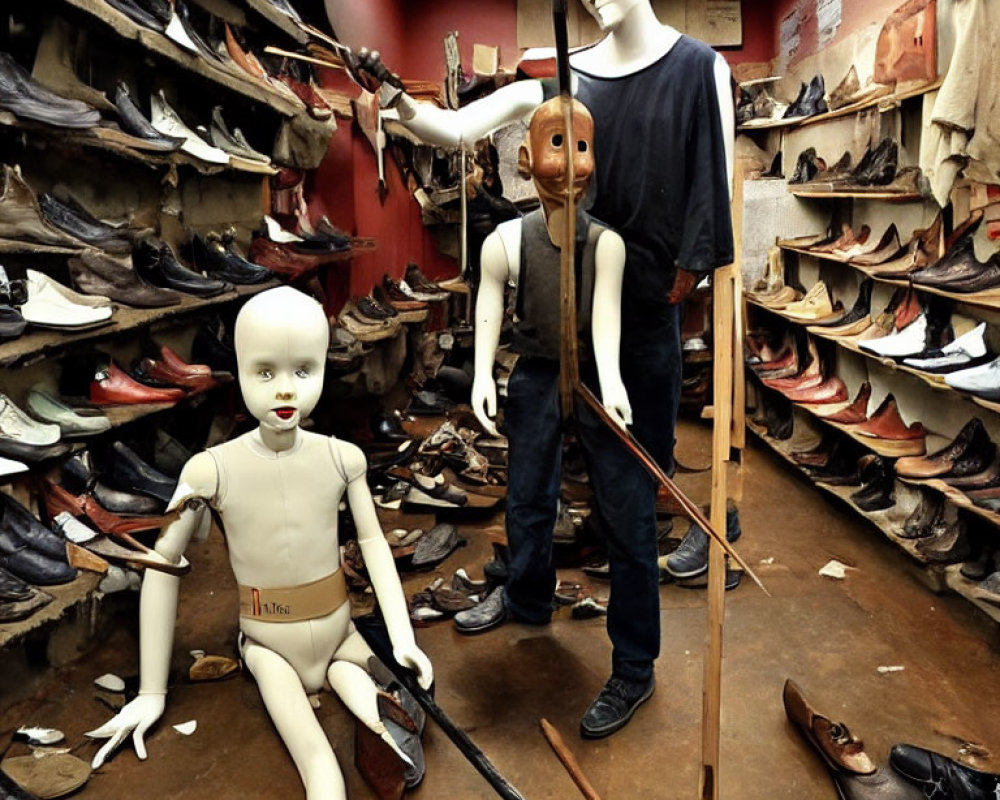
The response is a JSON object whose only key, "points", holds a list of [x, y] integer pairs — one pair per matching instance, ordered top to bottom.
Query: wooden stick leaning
{"points": [[277, 51], [565, 755]]}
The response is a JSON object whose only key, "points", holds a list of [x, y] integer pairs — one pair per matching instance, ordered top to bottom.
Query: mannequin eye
{"points": [[557, 140], [582, 145], [302, 372], [265, 374]]}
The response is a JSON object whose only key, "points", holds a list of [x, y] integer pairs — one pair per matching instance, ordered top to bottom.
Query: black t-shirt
{"points": [[660, 177]]}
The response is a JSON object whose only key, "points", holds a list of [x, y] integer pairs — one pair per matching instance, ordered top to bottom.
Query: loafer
{"points": [[28, 99], [133, 121], [168, 123], [21, 217], [85, 228], [212, 257], [156, 262], [94, 272], [51, 305], [12, 324], [900, 343], [968, 350], [982, 381], [113, 386], [857, 411], [72, 423], [894, 434], [23, 438], [973, 440], [128, 471], [22, 524], [435, 546], [28, 549], [690, 559], [19, 600], [489, 614], [614, 706], [841, 750], [937, 775]]}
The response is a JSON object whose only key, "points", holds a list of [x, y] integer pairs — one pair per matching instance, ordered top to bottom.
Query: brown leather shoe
{"points": [[21, 217], [887, 248], [921, 251], [95, 272], [177, 363], [163, 372], [810, 376], [113, 386], [832, 390], [857, 411], [893, 434], [972, 437], [840, 749]]}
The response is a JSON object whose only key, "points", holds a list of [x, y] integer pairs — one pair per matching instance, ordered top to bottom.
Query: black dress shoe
{"points": [[137, 14], [27, 98], [133, 120], [807, 166], [880, 167], [90, 230], [155, 262], [217, 262], [861, 308], [12, 324], [129, 472], [876, 493], [15, 518], [21, 558], [18, 600], [489, 614], [614, 706], [938, 776]]}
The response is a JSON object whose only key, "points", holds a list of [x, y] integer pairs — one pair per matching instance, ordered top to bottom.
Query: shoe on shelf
{"points": [[28, 99], [168, 123], [156, 262], [97, 273], [52, 305], [967, 351], [982, 381], [113, 386], [49, 408], [971, 444], [614, 706]]}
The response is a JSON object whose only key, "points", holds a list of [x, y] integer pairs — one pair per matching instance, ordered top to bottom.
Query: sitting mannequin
{"points": [[664, 130], [277, 490]]}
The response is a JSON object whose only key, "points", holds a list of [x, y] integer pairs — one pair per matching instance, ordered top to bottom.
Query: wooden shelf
{"points": [[282, 22], [160, 45], [885, 102], [856, 194], [41, 344], [955, 497], [932, 574], [959, 584], [81, 590]]}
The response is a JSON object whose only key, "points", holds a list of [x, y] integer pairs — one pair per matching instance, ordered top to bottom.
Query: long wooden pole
{"points": [[565, 755]]}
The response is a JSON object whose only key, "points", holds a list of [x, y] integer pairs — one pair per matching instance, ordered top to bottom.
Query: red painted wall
{"points": [[410, 37]]}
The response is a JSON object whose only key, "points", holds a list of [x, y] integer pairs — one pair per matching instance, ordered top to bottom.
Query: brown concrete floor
{"points": [[830, 636]]}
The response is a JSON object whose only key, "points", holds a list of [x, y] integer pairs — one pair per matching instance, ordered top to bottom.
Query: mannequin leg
{"points": [[354, 649], [358, 692], [289, 709]]}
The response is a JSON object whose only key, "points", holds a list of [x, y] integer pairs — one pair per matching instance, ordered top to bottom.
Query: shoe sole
{"points": [[689, 574], [472, 631], [590, 733]]}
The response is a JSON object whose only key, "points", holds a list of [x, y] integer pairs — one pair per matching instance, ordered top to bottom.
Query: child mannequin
{"points": [[277, 490]]}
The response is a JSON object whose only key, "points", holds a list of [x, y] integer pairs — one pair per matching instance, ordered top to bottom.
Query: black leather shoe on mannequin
{"points": [[614, 706]]}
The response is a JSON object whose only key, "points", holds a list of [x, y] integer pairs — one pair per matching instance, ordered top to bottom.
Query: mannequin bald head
{"points": [[281, 341]]}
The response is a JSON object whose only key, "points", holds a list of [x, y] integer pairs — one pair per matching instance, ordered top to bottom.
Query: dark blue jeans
{"points": [[625, 494]]}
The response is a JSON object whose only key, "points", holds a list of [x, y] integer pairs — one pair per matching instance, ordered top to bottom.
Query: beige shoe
{"points": [[781, 298], [815, 305]]}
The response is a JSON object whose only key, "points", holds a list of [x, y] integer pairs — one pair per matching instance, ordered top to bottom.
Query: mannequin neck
{"points": [[636, 42], [277, 441]]}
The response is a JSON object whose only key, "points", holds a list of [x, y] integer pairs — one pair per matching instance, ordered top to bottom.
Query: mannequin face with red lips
{"points": [[543, 154], [281, 341]]}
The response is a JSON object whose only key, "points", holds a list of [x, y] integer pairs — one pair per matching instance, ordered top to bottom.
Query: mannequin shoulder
{"points": [[610, 249], [501, 251], [350, 455], [199, 478]]}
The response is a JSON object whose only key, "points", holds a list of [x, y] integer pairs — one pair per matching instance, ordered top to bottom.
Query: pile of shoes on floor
{"points": [[913, 773]]}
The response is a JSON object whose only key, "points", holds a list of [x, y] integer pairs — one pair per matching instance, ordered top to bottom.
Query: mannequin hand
{"points": [[400, 102], [683, 285], [615, 402], [484, 403], [411, 656], [135, 718]]}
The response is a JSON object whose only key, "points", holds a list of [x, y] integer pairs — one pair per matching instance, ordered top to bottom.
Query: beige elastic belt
{"points": [[294, 603]]}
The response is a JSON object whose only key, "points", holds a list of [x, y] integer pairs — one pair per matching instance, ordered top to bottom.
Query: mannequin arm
{"points": [[727, 114], [470, 123], [489, 317], [606, 325], [382, 568], [158, 613]]}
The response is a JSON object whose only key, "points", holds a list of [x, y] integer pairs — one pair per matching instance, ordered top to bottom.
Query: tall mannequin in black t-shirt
{"points": [[664, 130]]}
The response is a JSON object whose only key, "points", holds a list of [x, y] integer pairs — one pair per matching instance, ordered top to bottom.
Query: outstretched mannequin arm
{"points": [[489, 317], [606, 325], [382, 568], [158, 614]]}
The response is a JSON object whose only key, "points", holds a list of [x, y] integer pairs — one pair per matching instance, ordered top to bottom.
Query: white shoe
{"points": [[176, 33], [166, 121], [278, 234], [50, 306], [907, 342], [965, 348]]}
